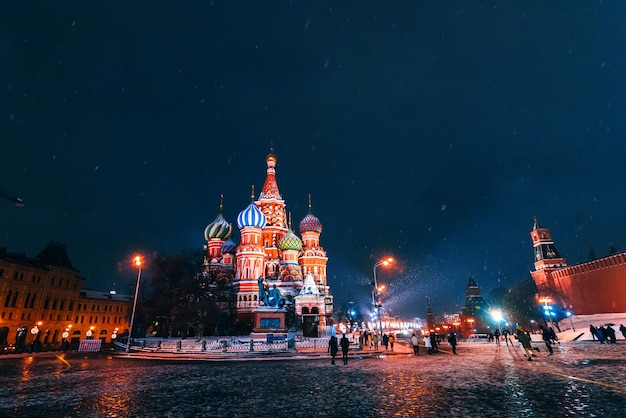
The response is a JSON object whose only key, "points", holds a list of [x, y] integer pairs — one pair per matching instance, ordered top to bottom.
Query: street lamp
{"points": [[137, 260], [384, 262], [547, 309], [496, 314]]}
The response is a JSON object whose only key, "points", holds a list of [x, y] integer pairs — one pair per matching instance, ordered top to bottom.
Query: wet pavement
{"points": [[581, 379]]}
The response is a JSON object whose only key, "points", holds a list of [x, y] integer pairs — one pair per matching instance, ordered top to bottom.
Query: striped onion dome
{"points": [[251, 216], [310, 223], [218, 229], [290, 242], [229, 247]]}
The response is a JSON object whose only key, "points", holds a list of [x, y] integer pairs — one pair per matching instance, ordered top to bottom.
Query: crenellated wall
{"points": [[594, 287]]}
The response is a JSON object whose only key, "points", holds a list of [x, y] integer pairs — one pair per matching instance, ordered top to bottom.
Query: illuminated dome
{"points": [[251, 216], [310, 223], [218, 229], [290, 242], [229, 247]]}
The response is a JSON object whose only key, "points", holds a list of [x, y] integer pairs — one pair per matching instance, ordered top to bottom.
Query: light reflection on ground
{"points": [[580, 379]]}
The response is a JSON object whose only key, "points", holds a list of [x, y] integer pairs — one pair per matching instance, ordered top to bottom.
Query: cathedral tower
{"points": [[271, 204]]}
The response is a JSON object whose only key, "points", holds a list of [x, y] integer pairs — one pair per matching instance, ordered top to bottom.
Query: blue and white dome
{"points": [[251, 216]]}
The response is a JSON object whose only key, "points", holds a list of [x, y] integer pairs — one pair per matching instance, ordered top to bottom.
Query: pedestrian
{"points": [[623, 329], [593, 332], [600, 334], [610, 334], [496, 336], [507, 336], [524, 338], [547, 338], [375, 339], [392, 339], [554, 339], [385, 341], [415, 342], [433, 342], [452, 342], [428, 345], [345, 346], [333, 348]]}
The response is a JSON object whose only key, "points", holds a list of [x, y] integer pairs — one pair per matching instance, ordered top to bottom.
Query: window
{"points": [[7, 300], [14, 301]]}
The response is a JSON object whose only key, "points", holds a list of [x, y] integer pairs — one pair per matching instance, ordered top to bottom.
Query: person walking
{"points": [[623, 329], [593, 332], [496, 336], [507, 336], [524, 338], [547, 338], [375, 339], [392, 339], [385, 341], [415, 342], [433, 342], [452, 342], [428, 344], [345, 346], [333, 348]]}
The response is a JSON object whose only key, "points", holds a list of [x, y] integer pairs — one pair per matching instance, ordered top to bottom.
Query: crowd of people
{"points": [[369, 340]]}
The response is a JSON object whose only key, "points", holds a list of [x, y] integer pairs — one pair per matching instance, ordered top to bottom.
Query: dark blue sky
{"points": [[431, 131]]}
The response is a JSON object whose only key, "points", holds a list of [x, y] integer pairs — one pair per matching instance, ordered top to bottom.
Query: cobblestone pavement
{"points": [[581, 379]]}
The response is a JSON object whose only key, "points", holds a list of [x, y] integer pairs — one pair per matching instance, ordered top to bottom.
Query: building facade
{"points": [[271, 269], [594, 287], [42, 300]]}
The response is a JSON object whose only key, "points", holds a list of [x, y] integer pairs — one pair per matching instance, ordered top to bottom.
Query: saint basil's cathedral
{"points": [[273, 277]]}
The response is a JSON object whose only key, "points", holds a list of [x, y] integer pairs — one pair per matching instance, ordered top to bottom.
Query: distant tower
{"points": [[547, 258], [475, 305], [475, 310], [430, 319]]}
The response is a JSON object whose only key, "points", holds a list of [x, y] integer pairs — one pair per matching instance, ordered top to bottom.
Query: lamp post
{"points": [[137, 260], [384, 262], [547, 310]]}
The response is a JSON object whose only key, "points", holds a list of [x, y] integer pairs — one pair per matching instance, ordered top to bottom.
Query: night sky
{"points": [[430, 131]]}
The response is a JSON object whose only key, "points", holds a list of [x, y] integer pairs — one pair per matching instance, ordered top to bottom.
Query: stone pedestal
{"points": [[268, 321]]}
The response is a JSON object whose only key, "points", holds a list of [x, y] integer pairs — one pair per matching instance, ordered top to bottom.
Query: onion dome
{"points": [[251, 216], [310, 223], [218, 229], [290, 242], [229, 247]]}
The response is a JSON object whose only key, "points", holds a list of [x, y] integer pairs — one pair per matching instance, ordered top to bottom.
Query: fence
{"points": [[227, 345]]}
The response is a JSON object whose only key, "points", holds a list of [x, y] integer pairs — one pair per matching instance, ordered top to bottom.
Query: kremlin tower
{"points": [[273, 275], [593, 287]]}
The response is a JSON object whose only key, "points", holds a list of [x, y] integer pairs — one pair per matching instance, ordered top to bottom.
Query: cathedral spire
{"points": [[270, 188]]}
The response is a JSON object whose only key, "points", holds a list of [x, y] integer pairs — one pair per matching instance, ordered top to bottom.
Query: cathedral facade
{"points": [[272, 276], [594, 287]]}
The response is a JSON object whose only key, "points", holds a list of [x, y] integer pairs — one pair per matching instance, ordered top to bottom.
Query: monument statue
{"points": [[270, 297], [274, 298]]}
